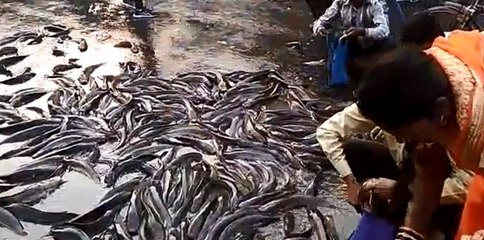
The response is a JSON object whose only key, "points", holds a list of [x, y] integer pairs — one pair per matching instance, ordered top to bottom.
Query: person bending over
{"points": [[434, 98], [360, 160]]}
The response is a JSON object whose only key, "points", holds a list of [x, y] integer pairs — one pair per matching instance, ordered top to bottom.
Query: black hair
{"points": [[421, 28], [360, 60], [402, 88]]}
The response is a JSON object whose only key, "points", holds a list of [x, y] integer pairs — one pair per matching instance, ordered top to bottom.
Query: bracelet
{"points": [[412, 232], [405, 233], [404, 236]]}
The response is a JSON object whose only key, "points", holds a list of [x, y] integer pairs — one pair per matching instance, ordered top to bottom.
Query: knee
{"points": [[353, 148]]}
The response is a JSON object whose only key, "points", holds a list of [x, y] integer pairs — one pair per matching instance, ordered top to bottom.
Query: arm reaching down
{"points": [[331, 13], [331, 136], [432, 167]]}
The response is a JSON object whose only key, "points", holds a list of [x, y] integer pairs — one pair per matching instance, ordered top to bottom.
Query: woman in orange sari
{"points": [[435, 99]]}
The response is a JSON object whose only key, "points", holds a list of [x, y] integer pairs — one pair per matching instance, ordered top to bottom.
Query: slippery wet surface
{"points": [[186, 35], [224, 35]]}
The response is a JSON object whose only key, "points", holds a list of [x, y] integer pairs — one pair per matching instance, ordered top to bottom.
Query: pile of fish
{"points": [[200, 155]]}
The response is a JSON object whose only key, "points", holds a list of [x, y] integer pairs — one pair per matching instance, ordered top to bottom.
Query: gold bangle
{"points": [[412, 232], [404, 236]]}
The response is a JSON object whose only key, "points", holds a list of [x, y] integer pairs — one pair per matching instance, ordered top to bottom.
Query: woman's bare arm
{"points": [[432, 167]]}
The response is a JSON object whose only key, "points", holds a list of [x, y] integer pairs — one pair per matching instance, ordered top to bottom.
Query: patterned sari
{"points": [[462, 57]]}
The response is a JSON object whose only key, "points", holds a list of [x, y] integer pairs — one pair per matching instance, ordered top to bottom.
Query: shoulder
{"points": [[352, 110], [352, 113]]}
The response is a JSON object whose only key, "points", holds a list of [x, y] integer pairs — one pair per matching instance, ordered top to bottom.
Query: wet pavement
{"points": [[186, 35], [225, 35]]}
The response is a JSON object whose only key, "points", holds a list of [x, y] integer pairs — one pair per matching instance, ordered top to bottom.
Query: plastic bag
{"points": [[338, 65], [373, 228]]}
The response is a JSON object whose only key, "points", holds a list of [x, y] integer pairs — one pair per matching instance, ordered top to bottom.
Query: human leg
{"points": [[129, 3], [138, 4], [141, 11], [369, 159]]}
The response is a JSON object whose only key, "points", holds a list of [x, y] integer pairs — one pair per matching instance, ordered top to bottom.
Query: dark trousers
{"points": [[138, 4], [368, 159]]}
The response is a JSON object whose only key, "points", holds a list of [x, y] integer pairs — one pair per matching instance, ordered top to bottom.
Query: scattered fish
{"points": [[56, 30], [36, 40], [82, 44], [124, 44], [5, 51], [58, 53], [72, 60], [10, 61], [321, 62], [65, 67], [5, 71], [86, 74], [22, 78], [26, 96], [199, 155], [27, 213], [8, 220]]}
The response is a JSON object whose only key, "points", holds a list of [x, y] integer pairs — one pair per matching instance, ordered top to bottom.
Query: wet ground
{"points": [[186, 35], [224, 35]]}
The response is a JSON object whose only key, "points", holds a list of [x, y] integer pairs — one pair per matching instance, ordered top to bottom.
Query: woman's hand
{"points": [[377, 134], [382, 187], [479, 235]]}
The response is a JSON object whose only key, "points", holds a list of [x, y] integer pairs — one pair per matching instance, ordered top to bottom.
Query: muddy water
{"points": [[225, 35]]}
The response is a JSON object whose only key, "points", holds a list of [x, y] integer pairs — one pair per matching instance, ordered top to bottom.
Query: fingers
{"points": [[316, 27], [316, 31], [319, 31], [376, 133], [386, 181], [369, 184], [381, 184], [382, 187], [479, 235]]}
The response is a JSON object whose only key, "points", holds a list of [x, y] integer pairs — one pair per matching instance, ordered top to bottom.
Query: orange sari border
{"points": [[462, 57], [465, 68]]}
